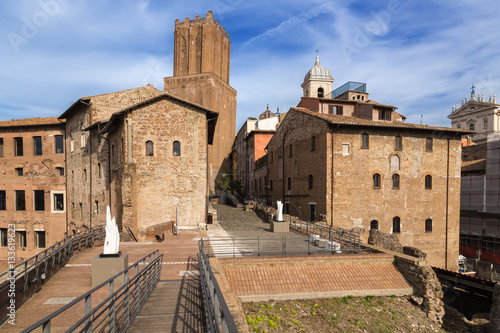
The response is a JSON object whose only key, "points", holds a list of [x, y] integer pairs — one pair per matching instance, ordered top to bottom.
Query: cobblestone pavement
{"points": [[235, 220]]}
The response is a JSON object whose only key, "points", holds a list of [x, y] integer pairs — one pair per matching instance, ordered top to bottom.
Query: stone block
{"points": [[280, 227], [107, 267]]}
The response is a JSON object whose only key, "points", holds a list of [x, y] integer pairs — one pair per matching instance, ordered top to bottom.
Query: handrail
{"points": [[33, 272], [120, 308], [219, 318]]}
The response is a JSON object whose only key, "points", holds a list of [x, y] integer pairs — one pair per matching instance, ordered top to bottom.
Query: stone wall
{"points": [[383, 240], [428, 289], [495, 311]]}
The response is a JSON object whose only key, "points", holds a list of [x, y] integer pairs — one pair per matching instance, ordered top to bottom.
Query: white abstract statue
{"points": [[280, 211], [112, 240]]}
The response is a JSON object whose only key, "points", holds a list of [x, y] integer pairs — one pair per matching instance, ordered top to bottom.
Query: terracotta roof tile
{"points": [[355, 121], [31, 122]]}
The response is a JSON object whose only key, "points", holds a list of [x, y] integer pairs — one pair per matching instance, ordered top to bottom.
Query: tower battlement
{"points": [[207, 20]]}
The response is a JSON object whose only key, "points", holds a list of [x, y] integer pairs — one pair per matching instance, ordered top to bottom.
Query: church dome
{"points": [[318, 72], [266, 114]]}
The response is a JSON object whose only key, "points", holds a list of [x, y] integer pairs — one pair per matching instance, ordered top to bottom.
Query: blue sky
{"points": [[421, 56]]}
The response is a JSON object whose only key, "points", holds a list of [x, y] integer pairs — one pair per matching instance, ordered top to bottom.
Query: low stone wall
{"points": [[157, 232], [385, 241], [428, 289], [495, 311]]}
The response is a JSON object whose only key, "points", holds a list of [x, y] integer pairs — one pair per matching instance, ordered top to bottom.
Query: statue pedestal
{"points": [[280, 226], [106, 266]]}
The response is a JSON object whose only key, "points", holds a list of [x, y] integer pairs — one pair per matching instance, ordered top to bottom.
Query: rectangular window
{"points": [[335, 109], [82, 140], [365, 141], [398, 143], [59, 144], [37, 145], [428, 145], [18, 146], [1, 147], [345, 149], [60, 170], [98, 170], [19, 171], [85, 174], [39, 198], [2, 200], [20, 200], [58, 202], [97, 207], [287, 208], [312, 208], [72, 210], [80, 213], [428, 225], [3, 237], [21, 238], [40, 238]]}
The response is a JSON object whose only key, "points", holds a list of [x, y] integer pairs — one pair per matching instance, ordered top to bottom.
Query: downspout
{"points": [[283, 167], [333, 176], [66, 177], [266, 187], [447, 198]]}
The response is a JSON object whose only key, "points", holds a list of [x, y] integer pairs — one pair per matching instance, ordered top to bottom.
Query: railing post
{"points": [[127, 300], [88, 308], [112, 313], [46, 327]]}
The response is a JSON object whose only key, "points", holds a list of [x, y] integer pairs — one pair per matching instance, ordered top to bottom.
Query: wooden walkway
{"points": [[174, 306]]}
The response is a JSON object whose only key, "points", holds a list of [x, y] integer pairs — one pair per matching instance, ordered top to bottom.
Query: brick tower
{"points": [[201, 76]]}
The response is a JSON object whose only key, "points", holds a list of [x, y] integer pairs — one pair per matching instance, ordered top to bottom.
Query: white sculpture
{"points": [[279, 218], [112, 240]]}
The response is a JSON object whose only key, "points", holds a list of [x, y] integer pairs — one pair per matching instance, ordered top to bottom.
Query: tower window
{"points": [[321, 93], [471, 127], [365, 141], [313, 143], [1, 147], [149, 148], [177, 148], [290, 151], [60, 170], [19, 171], [376, 180], [311, 181], [395, 181], [428, 182], [289, 184], [58, 202], [3, 205], [312, 208], [374, 225], [396, 225], [428, 225], [21, 238], [40, 238]]}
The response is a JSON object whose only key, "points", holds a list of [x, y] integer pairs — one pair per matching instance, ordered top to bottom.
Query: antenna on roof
{"points": [[421, 118]]}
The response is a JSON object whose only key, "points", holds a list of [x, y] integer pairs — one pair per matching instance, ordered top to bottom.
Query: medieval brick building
{"points": [[32, 186]]}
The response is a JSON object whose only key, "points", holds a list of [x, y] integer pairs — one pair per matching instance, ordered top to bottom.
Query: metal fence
{"points": [[350, 241], [30, 274], [118, 310], [219, 318]]}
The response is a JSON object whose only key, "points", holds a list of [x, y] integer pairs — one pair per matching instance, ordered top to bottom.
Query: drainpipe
{"points": [[283, 167], [333, 176], [66, 177], [90, 178], [266, 186], [447, 198]]}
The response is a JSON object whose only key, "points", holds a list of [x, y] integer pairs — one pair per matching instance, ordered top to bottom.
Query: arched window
{"points": [[321, 93], [471, 127], [365, 141], [313, 143], [398, 143], [428, 145], [149, 148], [177, 148], [394, 163], [311, 180], [376, 180], [395, 181], [428, 182], [289, 184], [374, 225], [396, 225], [428, 225]]}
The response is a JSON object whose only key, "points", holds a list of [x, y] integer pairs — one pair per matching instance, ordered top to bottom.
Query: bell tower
{"points": [[201, 76]]}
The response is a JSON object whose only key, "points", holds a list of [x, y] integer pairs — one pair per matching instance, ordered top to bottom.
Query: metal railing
{"points": [[350, 241], [31, 273], [118, 310], [219, 318]]}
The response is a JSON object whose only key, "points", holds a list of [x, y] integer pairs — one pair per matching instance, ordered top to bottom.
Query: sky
{"points": [[420, 56]]}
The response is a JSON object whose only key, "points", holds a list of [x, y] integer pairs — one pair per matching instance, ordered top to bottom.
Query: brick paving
{"points": [[235, 221], [73, 280]]}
